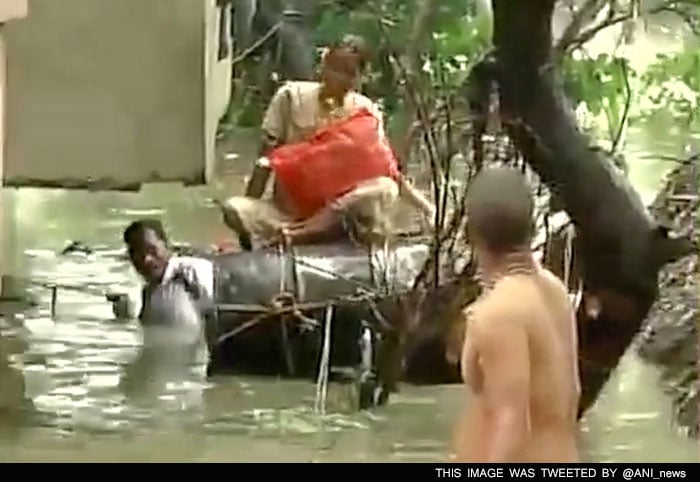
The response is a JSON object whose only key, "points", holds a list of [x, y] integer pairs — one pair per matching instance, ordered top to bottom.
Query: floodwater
{"points": [[72, 388], [76, 406]]}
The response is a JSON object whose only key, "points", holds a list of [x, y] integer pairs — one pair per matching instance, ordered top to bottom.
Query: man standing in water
{"points": [[177, 293], [519, 357]]}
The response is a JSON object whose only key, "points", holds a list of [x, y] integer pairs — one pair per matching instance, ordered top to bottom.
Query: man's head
{"points": [[341, 66], [500, 211], [148, 248]]}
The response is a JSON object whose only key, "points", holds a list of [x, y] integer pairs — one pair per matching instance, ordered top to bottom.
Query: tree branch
{"points": [[582, 17], [419, 32], [587, 34], [257, 45], [625, 113]]}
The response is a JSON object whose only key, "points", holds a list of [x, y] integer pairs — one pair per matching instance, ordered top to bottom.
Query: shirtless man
{"points": [[519, 357]]}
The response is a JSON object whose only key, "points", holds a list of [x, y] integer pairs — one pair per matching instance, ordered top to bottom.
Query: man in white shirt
{"points": [[178, 290]]}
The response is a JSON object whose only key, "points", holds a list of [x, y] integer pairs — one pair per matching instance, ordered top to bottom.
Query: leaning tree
{"points": [[620, 248]]}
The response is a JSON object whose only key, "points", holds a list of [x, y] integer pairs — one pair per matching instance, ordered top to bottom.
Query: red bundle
{"points": [[332, 162]]}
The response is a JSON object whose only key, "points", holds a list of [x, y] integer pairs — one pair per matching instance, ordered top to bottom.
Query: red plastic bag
{"points": [[314, 172]]}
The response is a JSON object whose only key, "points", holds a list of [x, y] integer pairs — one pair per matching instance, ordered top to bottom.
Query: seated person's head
{"points": [[341, 66], [500, 212], [148, 248]]}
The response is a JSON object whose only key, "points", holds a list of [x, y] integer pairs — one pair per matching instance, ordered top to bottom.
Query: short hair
{"points": [[357, 45], [345, 57], [500, 209], [139, 227]]}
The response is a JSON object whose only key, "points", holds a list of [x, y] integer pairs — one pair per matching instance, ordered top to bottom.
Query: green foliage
{"points": [[460, 36], [673, 83], [598, 87]]}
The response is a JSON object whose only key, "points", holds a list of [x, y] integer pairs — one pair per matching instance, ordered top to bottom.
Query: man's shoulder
{"points": [[301, 85], [299, 89], [362, 98], [360, 101], [555, 282], [506, 294], [505, 303]]}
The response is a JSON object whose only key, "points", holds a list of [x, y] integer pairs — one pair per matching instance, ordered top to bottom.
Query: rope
{"points": [[281, 253], [568, 254], [283, 265], [568, 266], [339, 276], [285, 303], [281, 304], [324, 365]]}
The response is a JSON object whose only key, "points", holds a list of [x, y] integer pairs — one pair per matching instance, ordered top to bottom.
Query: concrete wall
{"points": [[10, 10], [218, 78], [106, 94], [3, 216]]}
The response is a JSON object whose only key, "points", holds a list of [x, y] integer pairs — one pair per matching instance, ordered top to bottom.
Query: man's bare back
{"points": [[519, 360]]}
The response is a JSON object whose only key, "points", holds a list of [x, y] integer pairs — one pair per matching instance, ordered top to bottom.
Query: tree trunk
{"points": [[293, 45], [296, 54], [620, 247]]}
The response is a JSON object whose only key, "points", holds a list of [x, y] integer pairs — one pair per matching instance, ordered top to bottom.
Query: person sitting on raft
{"points": [[298, 111]]}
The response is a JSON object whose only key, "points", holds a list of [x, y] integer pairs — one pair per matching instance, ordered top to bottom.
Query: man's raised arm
{"points": [[261, 171], [416, 198]]}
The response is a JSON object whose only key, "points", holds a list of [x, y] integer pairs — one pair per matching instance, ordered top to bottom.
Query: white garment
{"points": [[198, 270], [171, 312]]}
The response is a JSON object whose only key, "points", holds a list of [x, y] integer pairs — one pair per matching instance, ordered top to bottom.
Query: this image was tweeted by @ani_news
{"points": [[590, 471]]}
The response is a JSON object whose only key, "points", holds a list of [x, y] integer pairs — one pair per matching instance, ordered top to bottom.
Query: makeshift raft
{"points": [[311, 311]]}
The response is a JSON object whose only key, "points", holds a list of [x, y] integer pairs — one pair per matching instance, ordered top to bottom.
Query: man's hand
{"points": [[262, 169], [258, 181], [417, 199]]}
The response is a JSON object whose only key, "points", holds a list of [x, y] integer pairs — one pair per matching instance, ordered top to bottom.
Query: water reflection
{"points": [[13, 400], [632, 420]]}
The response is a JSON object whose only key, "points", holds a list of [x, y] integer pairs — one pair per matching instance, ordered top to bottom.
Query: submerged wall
{"points": [[10, 10], [106, 94]]}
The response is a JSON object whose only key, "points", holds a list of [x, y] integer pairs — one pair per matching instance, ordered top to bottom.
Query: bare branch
{"points": [[673, 6], [583, 16], [419, 33], [257, 45], [625, 112]]}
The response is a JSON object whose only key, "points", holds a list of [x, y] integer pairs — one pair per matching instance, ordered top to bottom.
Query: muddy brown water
{"points": [[64, 395], [71, 403]]}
